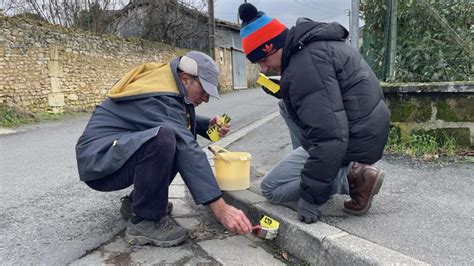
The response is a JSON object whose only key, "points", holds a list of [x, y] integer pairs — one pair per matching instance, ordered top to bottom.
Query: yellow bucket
{"points": [[233, 170]]}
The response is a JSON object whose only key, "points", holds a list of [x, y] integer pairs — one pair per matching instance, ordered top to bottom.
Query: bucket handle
{"points": [[219, 149], [217, 153]]}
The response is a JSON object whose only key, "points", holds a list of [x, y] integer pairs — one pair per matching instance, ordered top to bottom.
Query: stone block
{"points": [[54, 53], [54, 69], [55, 85], [72, 97], [56, 99], [409, 109], [458, 109], [57, 110], [177, 180], [176, 191], [243, 196], [180, 208], [188, 223], [238, 250], [352, 250]]}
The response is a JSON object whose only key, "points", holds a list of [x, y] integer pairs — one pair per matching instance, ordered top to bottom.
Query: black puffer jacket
{"points": [[335, 98]]}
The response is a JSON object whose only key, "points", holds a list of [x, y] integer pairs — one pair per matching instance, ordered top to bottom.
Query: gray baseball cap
{"points": [[201, 65]]}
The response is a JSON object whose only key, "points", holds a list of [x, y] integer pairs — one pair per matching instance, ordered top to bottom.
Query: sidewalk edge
{"points": [[317, 243]]}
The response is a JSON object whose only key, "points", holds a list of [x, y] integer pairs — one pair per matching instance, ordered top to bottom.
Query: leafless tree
{"points": [[64, 12], [179, 23]]}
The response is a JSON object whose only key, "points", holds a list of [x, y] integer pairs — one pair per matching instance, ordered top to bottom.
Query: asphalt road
{"points": [[424, 210], [47, 216]]}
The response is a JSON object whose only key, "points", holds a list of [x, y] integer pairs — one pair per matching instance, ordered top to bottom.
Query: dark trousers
{"points": [[150, 170]]}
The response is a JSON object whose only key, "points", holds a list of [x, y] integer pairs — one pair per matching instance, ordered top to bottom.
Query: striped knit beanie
{"points": [[261, 35]]}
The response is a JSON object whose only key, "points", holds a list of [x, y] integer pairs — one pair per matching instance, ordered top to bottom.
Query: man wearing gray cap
{"points": [[144, 134]]}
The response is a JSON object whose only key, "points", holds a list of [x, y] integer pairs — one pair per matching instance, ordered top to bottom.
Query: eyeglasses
{"points": [[203, 92]]}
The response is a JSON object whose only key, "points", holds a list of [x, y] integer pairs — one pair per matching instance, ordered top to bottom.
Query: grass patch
{"points": [[48, 116], [12, 117], [425, 146]]}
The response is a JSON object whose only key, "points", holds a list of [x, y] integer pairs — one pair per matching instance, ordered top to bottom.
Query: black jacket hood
{"points": [[306, 31]]}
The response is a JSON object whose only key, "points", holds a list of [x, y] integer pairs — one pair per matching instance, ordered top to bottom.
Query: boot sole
{"points": [[375, 191], [141, 240]]}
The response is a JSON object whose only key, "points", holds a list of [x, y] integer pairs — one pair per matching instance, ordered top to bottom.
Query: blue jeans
{"points": [[282, 183]]}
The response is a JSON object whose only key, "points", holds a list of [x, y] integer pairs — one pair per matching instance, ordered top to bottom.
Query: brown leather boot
{"points": [[364, 182]]}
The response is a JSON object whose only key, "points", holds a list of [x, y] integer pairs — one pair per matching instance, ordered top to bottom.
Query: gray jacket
{"points": [[118, 128]]}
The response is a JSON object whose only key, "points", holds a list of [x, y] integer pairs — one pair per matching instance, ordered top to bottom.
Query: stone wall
{"points": [[224, 60], [44, 67], [252, 74], [434, 108]]}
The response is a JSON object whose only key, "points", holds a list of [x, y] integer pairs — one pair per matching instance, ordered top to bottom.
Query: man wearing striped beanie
{"points": [[261, 35], [334, 108]]}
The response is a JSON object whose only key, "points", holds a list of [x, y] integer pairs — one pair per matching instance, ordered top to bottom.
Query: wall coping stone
{"points": [[433, 87]]}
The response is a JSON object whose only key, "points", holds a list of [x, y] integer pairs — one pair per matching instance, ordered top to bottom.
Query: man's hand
{"points": [[269, 92], [274, 94], [223, 128], [308, 212], [233, 219]]}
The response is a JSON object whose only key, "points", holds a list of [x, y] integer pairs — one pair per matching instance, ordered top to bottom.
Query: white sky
{"points": [[287, 11]]}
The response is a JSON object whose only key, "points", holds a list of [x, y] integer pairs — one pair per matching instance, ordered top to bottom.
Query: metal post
{"points": [[211, 22], [355, 24], [386, 39], [393, 39]]}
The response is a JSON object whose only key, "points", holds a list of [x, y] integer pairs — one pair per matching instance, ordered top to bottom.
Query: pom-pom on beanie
{"points": [[261, 35]]}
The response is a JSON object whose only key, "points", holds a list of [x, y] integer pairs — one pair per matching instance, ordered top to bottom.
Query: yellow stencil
{"points": [[267, 83], [213, 132], [267, 222]]}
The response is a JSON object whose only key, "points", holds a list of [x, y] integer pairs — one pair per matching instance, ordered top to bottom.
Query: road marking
{"points": [[244, 131], [224, 142]]}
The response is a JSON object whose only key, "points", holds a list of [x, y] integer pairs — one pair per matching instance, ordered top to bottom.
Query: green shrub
{"points": [[424, 51], [9, 117], [394, 140], [422, 145], [448, 145]]}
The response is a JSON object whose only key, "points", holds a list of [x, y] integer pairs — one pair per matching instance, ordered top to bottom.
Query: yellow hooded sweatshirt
{"points": [[145, 79]]}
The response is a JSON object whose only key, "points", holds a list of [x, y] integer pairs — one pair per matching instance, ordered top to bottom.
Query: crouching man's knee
{"points": [[166, 140], [267, 190], [280, 191]]}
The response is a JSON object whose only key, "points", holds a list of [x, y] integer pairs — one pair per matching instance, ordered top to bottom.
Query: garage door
{"points": [[239, 72]]}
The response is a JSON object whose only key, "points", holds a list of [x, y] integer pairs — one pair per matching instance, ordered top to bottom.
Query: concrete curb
{"points": [[318, 243]]}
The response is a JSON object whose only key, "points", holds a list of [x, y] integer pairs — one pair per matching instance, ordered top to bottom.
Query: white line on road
{"points": [[245, 130]]}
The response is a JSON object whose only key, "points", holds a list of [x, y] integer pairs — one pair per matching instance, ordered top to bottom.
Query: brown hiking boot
{"points": [[364, 182]]}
